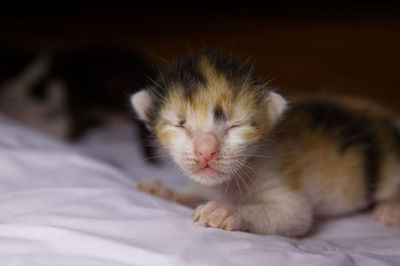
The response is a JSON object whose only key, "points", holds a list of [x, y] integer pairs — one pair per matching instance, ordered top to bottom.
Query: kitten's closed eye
{"points": [[181, 124], [235, 126], [232, 127]]}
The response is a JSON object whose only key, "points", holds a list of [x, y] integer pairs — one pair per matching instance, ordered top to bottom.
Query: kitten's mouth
{"points": [[208, 171], [207, 174]]}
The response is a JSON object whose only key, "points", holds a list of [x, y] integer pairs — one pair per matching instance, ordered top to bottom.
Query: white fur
{"points": [[142, 103], [277, 104]]}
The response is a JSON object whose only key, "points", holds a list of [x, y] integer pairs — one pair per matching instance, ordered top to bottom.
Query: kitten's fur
{"points": [[260, 166]]}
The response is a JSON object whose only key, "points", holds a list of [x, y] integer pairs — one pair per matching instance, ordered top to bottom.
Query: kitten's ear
{"points": [[142, 104], [276, 105]]}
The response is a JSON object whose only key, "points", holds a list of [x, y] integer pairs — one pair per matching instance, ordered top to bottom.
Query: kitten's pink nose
{"points": [[206, 146]]}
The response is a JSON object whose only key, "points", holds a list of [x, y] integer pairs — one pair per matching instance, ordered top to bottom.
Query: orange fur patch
{"points": [[311, 159]]}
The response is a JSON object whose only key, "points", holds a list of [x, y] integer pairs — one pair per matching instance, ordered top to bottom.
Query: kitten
{"points": [[19, 74], [96, 81], [69, 92], [263, 166]]}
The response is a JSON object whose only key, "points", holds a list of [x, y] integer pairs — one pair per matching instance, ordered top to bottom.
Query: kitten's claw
{"points": [[388, 214], [214, 215]]}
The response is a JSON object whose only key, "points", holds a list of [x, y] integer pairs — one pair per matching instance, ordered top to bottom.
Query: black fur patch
{"points": [[230, 67], [187, 73], [219, 115], [351, 131]]}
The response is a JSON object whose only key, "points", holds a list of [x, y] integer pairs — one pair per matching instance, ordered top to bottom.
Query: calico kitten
{"points": [[260, 165]]}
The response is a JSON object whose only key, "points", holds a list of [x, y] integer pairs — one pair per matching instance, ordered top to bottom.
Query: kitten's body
{"points": [[262, 167]]}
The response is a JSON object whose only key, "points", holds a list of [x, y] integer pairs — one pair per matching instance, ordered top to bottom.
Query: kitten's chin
{"points": [[209, 176]]}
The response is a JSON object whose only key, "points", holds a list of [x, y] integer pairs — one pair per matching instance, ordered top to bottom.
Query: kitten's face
{"points": [[212, 131]]}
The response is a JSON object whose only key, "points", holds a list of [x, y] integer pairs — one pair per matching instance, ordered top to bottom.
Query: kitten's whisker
{"points": [[159, 57], [179, 73], [248, 76], [162, 78], [153, 81], [257, 155], [149, 158], [246, 163], [247, 166], [243, 167], [248, 176], [242, 180], [237, 183], [226, 187], [240, 190]]}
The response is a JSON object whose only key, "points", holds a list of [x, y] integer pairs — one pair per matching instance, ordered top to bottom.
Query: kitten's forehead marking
{"points": [[191, 77], [215, 100], [219, 115]]}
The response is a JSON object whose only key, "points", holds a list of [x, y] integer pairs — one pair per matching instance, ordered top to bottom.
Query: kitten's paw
{"points": [[156, 188], [388, 214], [214, 215]]}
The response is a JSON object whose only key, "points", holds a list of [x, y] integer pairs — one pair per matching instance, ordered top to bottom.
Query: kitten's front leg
{"points": [[156, 188], [276, 211]]}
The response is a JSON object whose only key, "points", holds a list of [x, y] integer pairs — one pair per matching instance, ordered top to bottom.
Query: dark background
{"points": [[302, 48]]}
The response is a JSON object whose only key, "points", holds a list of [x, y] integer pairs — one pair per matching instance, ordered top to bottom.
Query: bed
{"points": [[77, 204]]}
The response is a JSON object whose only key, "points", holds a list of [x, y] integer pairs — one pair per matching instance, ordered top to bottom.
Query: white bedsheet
{"points": [[61, 206]]}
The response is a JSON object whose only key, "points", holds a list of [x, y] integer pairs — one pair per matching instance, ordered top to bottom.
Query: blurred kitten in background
{"points": [[66, 93]]}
